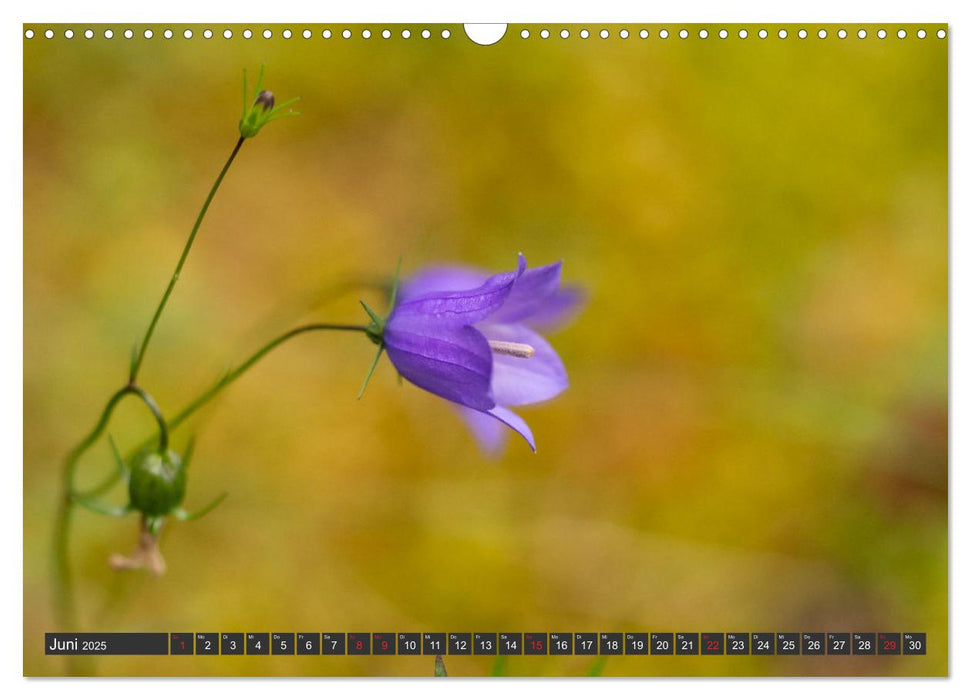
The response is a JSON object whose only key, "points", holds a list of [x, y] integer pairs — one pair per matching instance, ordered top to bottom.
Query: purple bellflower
{"points": [[472, 339]]}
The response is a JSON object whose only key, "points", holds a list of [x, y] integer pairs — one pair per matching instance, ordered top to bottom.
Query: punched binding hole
{"points": [[487, 34]]}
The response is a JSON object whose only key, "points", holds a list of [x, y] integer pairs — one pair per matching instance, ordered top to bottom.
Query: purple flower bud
{"points": [[265, 100]]}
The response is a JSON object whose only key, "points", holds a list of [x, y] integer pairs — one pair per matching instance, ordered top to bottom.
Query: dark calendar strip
{"points": [[488, 643]]}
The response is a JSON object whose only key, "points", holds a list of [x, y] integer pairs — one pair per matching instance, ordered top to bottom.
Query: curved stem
{"points": [[140, 355], [239, 371], [227, 379], [212, 392], [163, 430], [62, 582], [63, 594], [63, 598]]}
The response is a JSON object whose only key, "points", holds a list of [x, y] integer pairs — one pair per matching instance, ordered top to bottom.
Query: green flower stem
{"points": [[319, 298], [140, 355], [237, 372], [227, 379], [215, 390], [163, 430], [61, 571], [65, 611]]}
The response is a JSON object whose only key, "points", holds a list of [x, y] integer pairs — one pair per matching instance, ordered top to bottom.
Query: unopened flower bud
{"points": [[264, 100], [261, 111], [157, 482]]}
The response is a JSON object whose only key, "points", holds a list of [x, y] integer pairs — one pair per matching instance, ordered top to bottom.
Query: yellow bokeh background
{"points": [[755, 435]]}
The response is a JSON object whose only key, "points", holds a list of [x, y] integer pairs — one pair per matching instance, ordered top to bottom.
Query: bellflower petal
{"points": [[440, 279], [529, 294], [460, 307], [558, 308], [454, 362], [517, 381], [514, 422], [487, 428], [489, 432]]}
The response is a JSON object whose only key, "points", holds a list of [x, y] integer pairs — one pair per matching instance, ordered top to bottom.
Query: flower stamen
{"points": [[503, 347]]}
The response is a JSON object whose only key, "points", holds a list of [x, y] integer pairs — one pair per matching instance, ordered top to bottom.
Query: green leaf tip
{"points": [[597, 668], [440, 671]]}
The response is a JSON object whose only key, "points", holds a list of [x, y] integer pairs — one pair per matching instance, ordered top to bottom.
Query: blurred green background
{"points": [[755, 435]]}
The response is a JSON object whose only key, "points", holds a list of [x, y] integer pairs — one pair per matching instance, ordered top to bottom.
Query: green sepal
{"points": [[394, 286], [377, 320], [375, 329], [374, 363], [190, 448], [119, 460], [90, 500], [101, 508], [184, 516]]}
